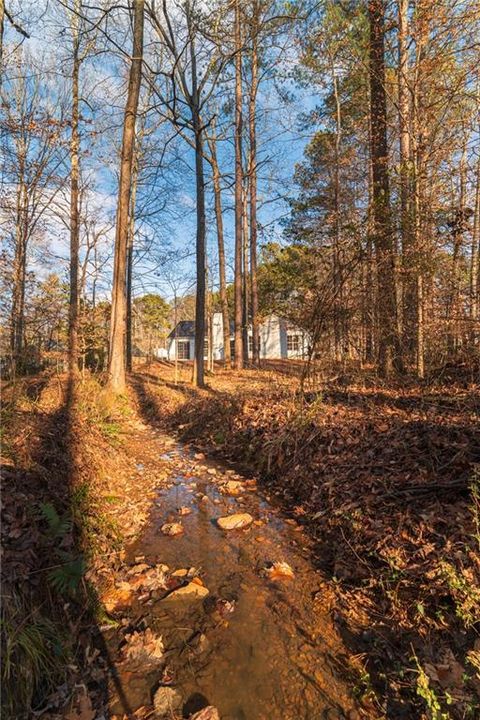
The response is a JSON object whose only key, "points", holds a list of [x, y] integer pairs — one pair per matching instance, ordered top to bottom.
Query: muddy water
{"points": [[255, 647]]}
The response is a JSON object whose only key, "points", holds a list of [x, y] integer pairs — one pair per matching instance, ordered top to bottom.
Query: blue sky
{"points": [[169, 198]]}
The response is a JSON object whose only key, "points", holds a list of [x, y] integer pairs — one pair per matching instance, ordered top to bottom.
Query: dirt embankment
{"points": [[61, 467], [386, 482]]}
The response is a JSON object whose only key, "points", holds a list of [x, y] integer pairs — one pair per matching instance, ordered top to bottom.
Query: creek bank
{"points": [[381, 481], [225, 632]]}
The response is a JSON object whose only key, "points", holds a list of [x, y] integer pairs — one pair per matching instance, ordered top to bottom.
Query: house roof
{"points": [[185, 328]]}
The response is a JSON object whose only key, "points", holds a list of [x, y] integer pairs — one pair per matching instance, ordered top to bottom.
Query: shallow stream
{"points": [[260, 644]]}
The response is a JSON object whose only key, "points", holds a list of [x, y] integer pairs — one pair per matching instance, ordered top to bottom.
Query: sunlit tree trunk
{"points": [[2, 25], [252, 174], [217, 193], [418, 199], [130, 243], [19, 261], [474, 262], [238, 283], [245, 283], [74, 302], [370, 305], [129, 330], [338, 335], [116, 362], [198, 364]]}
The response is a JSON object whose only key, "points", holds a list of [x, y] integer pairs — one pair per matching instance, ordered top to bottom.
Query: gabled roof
{"points": [[183, 329], [186, 329]]}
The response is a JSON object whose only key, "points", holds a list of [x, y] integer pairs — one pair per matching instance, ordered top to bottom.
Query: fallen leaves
{"points": [[380, 476], [172, 529], [279, 570], [117, 598], [143, 647], [83, 710]]}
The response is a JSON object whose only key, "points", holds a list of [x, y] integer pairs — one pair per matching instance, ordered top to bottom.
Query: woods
{"points": [[384, 201], [241, 234]]}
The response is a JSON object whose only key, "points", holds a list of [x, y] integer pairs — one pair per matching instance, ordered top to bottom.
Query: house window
{"points": [[293, 343], [250, 344], [232, 347], [205, 348], [183, 349]]}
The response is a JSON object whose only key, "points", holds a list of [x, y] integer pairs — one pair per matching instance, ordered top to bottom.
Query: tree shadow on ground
{"points": [[182, 386], [408, 402], [48, 610]]}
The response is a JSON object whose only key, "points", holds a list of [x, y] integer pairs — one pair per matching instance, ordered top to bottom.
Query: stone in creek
{"points": [[211, 471], [232, 487], [184, 511], [235, 522], [172, 529], [137, 569], [182, 572], [190, 593], [167, 701], [208, 713]]}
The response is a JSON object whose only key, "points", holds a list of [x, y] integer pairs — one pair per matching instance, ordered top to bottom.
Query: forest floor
{"points": [[385, 482], [352, 591]]}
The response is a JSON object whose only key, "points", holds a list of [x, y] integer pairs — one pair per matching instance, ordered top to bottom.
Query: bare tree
{"points": [[196, 63], [33, 154], [252, 175], [217, 193], [238, 278], [73, 316], [389, 345], [116, 360]]}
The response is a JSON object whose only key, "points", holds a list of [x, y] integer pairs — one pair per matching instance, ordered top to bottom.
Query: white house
{"points": [[278, 339]]}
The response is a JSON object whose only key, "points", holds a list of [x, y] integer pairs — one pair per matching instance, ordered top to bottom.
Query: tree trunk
{"points": [[2, 24], [252, 128], [458, 229], [418, 249], [221, 254], [474, 260], [19, 265], [129, 289], [74, 302], [370, 303], [245, 308], [409, 310], [129, 331], [338, 333], [389, 355], [238, 357], [116, 361], [198, 364]]}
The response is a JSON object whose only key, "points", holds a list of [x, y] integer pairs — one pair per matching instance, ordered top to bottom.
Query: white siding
{"points": [[273, 331], [217, 336], [270, 345], [171, 347]]}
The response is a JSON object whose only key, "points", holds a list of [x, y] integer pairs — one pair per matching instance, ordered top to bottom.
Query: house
{"points": [[278, 339]]}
